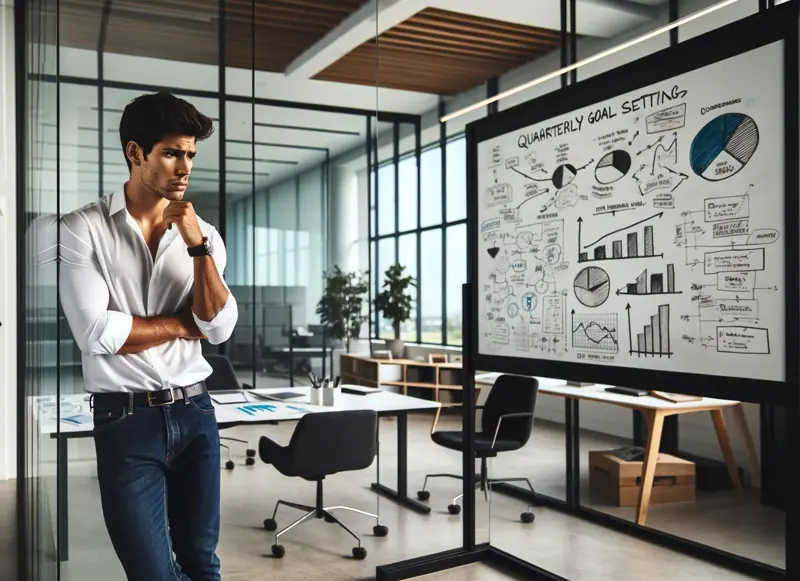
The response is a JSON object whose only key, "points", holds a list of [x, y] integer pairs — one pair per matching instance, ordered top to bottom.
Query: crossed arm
{"points": [[211, 313]]}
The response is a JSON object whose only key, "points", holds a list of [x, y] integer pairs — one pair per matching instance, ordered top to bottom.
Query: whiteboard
{"points": [[643, 231]]}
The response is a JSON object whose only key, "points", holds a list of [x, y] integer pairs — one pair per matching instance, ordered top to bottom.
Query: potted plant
{"points": [[395, 304], [341, 308]]}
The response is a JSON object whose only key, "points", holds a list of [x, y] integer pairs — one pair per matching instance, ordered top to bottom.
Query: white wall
{"points": [[8, 296]]}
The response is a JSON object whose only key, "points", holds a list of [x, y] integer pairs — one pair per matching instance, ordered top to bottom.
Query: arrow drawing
{"points": [[547, 179], [630, 334]]}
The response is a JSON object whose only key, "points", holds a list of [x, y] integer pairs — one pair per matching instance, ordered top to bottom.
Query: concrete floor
{"points": [[567, 546]]}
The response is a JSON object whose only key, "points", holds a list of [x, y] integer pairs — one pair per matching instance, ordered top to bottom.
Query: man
{"points": [[141, 285]]}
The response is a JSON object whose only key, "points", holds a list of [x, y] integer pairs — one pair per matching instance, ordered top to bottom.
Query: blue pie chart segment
{"points": [[724, 146]]}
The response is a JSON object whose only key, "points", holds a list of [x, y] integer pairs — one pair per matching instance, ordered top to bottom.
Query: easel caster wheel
{"points": [[251, 453], [250, 461], [229, 465], [423, 495], [454, 509], [527, 517], [270, 525], [380, 530], [278, 551], [360, 553]]}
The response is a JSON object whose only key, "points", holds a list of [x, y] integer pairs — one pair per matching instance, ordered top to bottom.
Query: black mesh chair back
{"points": [[222, 375], [510, 394], [325, 443]]}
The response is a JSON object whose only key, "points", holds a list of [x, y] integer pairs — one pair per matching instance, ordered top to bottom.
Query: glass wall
{"points": [[283, 174], [441, 268], [38, 312]]}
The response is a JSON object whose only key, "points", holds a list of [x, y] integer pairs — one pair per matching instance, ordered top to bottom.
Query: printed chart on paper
{"points": [[643, 231]]}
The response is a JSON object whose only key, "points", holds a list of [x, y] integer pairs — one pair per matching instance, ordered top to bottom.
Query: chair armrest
{"points": [[442, 406], [510, 417], [268, 449]]}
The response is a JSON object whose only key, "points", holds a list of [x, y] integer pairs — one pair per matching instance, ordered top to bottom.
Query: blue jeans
{"points": [[159, 477]]}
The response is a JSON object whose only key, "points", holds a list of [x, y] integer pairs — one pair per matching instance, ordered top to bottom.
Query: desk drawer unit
{"points": [[619, 481]]}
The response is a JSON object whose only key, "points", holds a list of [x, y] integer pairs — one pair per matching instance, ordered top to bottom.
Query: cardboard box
{"points": [[619, 481]]}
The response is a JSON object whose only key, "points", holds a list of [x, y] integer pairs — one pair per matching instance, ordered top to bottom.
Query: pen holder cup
{"points": [[329, 395], [315, 397]]}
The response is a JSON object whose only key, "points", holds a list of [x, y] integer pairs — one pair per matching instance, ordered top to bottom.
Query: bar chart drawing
{"points": [[637, 243], [659, 284], [595, 331], [653, 341]]}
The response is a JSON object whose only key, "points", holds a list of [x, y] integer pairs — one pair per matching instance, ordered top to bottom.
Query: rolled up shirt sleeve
{"points": [[84, 293], [220, 328]]}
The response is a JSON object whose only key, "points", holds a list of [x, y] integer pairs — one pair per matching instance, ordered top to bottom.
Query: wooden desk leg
{"points": [[655, 425], [725, 445], [752, 455]]}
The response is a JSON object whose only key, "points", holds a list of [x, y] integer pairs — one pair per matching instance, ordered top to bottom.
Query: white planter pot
{"points": [[397, 347]]}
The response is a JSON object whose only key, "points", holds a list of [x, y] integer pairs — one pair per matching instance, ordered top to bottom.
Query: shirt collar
{"points": [[118, 202]]}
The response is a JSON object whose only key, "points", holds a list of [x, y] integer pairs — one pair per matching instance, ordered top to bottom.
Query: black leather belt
{"points": [[150, 398]]}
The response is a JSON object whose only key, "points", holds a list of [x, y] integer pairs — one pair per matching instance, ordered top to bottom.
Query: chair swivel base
{"points": [[251, 453], [454, 508], [359, 552]]}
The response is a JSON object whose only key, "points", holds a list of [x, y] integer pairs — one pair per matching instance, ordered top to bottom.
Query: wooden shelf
{"points": [[403, 373]]}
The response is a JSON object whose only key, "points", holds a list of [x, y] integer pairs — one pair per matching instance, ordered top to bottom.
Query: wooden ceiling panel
{"points": [[188, 30], [442, 52]]}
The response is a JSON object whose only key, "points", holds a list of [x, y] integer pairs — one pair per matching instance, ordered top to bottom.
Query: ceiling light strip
{"points": [[591, 59]]}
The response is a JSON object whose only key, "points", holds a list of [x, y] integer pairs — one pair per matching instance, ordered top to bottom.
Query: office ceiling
{"points": [[435, 47], [442, 52]]}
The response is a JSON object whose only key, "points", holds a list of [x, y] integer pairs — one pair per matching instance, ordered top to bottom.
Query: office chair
{"points": [[223, 378], [506, 425], [323, 444]]}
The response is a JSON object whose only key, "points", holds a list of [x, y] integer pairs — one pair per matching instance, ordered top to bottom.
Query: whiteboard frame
{"points": [[777, 24]]}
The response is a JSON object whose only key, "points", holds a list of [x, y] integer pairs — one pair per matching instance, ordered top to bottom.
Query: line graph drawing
{"points": [[600, 252], [596, 332]]}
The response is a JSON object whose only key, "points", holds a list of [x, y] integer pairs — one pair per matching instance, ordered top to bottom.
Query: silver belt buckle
{"points": [[154, 405]]}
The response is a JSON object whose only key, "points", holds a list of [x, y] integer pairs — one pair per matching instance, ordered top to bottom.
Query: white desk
{"points": [[654, 410], [76, 422]]}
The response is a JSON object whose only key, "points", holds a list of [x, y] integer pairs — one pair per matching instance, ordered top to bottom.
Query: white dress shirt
{"points": [[107, 275]]}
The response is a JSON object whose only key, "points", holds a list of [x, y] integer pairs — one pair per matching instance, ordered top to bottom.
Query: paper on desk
{"points": [[225, 398], [79, 420]]}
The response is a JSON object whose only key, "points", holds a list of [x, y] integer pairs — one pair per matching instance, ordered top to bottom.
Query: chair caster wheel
{"points": [[251, 453], [250, 461], [229, 465], [423, 495], [454, 509], [527, 517], [329, 519], [270, 525], [380, 530], [278, 551], [360, 553]]}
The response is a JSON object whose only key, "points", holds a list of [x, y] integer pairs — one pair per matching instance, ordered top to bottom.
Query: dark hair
{"points": [[150, 118]]}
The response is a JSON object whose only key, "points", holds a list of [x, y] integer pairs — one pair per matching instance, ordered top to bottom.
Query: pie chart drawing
{"points": [[724, 146], [612, 167], [564, 175], [592, 286]]}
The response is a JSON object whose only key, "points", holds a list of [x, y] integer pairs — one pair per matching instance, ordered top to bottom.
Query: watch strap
{"points": [[200, 249]]}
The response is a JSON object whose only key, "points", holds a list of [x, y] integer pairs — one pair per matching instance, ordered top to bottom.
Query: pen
{"points": [[336, 383]]}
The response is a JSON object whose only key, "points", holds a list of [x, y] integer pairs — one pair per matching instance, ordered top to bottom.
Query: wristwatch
{"points": [[203, 249]]}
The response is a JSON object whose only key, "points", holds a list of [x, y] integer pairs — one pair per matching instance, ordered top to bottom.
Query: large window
{"points": [[435, 252]]}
